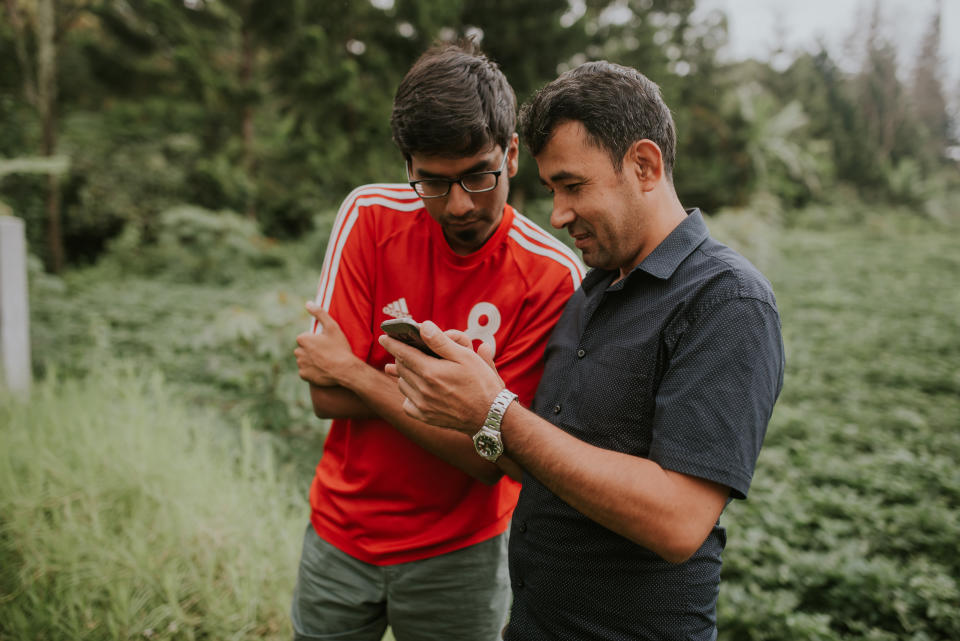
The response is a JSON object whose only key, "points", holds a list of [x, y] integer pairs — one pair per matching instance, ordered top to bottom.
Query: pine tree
{"points": [[881, 95], [929, 102]]}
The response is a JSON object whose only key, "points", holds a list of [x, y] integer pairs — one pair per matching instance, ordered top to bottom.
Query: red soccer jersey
{"points": [[376, 495]]}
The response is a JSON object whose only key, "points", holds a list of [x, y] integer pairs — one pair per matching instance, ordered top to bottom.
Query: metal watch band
{"points": [[497, 409], [487, 441]]}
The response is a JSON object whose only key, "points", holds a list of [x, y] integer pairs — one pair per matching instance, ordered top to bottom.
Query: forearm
{"points": [[378, 392], [338, 402], [510, 467], [668, 513]]}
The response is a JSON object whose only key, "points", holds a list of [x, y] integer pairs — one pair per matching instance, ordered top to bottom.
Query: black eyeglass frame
{"points": [[450, 181]]}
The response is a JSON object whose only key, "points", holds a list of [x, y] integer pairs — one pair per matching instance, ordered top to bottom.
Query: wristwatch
{"points": [[487, 441]]}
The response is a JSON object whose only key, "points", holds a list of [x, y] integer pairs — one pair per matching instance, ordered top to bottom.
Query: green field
{"points": [[154, 486], [852, 525]]}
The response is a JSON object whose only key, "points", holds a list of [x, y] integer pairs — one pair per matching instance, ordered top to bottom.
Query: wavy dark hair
{"points": [[453, 102], [617, 106]]}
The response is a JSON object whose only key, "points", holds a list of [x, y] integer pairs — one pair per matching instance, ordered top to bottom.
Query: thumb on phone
{"points": [[443, 345]]}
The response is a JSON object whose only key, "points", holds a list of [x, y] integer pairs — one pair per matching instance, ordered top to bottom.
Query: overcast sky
{"points": [[757, 25]]}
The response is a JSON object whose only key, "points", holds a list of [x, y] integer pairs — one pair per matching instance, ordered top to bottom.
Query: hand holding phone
{"points": [[406, 330]]}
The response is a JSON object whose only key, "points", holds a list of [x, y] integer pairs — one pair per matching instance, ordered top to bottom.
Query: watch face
{"points": [[489, 447]]}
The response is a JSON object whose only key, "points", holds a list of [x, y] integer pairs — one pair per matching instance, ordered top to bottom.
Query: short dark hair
{"points": [[454, 101], [617, 106]]}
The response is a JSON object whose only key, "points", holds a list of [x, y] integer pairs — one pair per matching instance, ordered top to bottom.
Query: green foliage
{"points": [[784, 159], [193, 245], [231, 346], [854, 513], [127, 514]]}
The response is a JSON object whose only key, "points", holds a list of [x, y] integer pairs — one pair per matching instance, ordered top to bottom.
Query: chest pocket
{"points": [[616, 398]]}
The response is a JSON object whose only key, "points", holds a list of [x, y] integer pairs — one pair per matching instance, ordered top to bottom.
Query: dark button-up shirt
{"points": [[680, 362]]}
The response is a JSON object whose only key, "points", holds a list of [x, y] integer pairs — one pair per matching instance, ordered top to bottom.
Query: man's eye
{"points": [[479, 182]]}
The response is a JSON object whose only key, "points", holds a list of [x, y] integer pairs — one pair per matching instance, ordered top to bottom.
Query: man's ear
{"points": [[513, 155], [645, 159]]}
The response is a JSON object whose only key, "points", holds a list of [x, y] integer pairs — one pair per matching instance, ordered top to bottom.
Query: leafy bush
{"points": [[130, 161], [193, 244], [228, 347], [128, 514]]}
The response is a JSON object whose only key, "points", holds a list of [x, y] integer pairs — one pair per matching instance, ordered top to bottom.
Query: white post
{"points": [[14, 312]]}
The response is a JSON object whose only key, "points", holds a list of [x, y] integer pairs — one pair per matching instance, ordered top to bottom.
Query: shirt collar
{"points": [[680, 243], [666, 257], [593, 278]]}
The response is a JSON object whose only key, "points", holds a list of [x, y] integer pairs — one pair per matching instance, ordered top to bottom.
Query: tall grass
{"points": [[125, 514]]}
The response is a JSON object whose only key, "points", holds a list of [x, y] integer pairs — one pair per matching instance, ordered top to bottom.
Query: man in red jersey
{"points": [[408, 522]]}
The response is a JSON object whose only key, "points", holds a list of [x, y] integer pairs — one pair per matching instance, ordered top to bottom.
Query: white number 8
{"points": [[484, 332]]}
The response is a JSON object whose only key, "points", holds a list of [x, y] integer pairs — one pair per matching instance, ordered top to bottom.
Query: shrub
{"points": [[192, 244]]}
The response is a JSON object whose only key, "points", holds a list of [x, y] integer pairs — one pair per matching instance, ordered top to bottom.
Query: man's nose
{"points": [[459, 200], [562, 214]]}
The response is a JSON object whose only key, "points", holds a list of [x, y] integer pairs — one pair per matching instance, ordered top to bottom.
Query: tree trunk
{"points": [[246, 79], [46, 104]]}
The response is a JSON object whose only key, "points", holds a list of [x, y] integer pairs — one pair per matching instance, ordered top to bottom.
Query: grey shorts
{"points": [[462, 595]]}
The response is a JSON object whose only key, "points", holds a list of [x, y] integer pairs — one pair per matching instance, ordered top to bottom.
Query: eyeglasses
{"points": [[475, 183]]}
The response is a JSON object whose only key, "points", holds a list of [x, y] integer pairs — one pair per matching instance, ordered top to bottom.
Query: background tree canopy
{"points": [[276, 109]]}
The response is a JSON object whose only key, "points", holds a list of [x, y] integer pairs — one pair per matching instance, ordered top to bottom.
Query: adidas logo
{"points": [[397, 309]]}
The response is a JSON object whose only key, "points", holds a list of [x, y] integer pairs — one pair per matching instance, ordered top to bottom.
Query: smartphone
{"points": [[406, 330]]}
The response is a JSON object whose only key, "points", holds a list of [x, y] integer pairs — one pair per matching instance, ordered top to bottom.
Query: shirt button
{"points": [[581, 353], [556, 409], [522, 527], [519, 583]]}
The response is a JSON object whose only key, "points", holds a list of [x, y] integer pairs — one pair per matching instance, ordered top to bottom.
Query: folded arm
{"points": [[343, 386]]}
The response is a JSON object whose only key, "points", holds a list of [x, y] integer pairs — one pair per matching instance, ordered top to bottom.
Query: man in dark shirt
{"points": [[660, 380]]}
